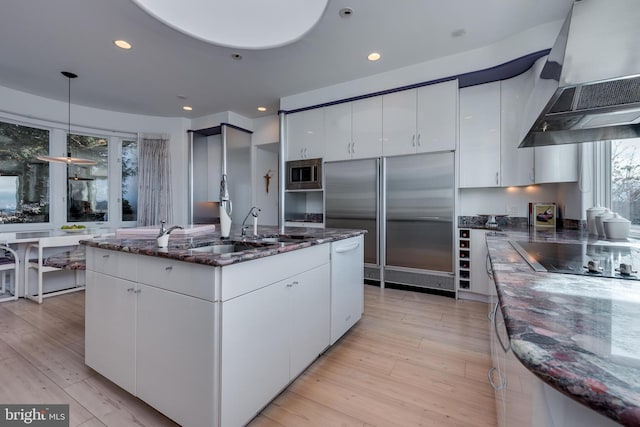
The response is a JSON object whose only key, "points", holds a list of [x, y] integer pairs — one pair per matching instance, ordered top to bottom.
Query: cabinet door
{"points": [[437, 117], [399, 123], [366, 130], [337, 132], [305, 134], [480, 135], [516, 163], [556, 163], [479, 280], [310, 317], [110, 328], [255, 351], [175, 355]]}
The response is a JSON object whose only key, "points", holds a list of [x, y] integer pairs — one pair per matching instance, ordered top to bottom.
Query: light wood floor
{"points": [[413, 360]]}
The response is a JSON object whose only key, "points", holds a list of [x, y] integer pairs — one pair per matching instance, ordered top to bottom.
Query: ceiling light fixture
{"points": [[247, 24], [122, 44], [373, 56], [187, 108], [263, 109], [68, 160]]}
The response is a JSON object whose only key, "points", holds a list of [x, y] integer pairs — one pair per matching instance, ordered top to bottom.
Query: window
{"points": [[129, 156], [625, 180], [24, 181], [88, 186]]}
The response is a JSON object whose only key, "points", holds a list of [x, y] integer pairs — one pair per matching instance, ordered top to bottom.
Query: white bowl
{"points": [[599, 222], [616, 227]]}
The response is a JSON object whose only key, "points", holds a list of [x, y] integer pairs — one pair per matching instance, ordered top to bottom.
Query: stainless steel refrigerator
{"points": [[406, 204]]}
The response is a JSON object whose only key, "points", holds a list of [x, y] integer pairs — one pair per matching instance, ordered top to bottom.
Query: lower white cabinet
{"points": [[479, 281], [110, 332], [133, 332], [269, 336], [173, 337], [207, 346]]}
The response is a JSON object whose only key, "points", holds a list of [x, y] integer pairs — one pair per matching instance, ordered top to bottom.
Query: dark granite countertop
{"points": [[181, 248], [579, 334]]}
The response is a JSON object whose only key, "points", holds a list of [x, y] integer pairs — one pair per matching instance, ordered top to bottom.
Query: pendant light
{"points": [[68, 160]]}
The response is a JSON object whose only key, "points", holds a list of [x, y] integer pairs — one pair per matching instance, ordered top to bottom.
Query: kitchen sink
{"points": [[284, 239], [231, 247]]}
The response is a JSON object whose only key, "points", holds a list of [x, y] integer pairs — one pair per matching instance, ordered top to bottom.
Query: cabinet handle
{"points": [[413, 140], [418, 140], [353, 147], [302, 153], [305, 153], [497, 178], [347, 248], [105, 256], [487, 265], [169, 268], [295, 282], [289, 285], [130, 290], [137, 291], [495, 328], [503, 381]]}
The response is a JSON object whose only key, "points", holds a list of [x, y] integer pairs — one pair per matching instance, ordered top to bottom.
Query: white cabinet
{"points": [[420, 120], [490, 128], [353, 130], [305, 134], [480, 136], [556, 163], [516, 166], [479, 281], [288, 327], [134, 331], [110, 333], [174, 336], [255, 351]]}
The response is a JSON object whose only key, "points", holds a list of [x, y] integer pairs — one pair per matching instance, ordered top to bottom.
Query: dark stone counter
{"points": [[181, 248], [580, 334]]}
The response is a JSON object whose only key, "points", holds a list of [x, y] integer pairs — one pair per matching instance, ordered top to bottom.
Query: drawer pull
{"points": [[105, 256], [169, 268], [130, 290]]}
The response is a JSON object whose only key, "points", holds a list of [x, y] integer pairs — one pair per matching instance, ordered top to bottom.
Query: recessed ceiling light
{"points": [[345, 12], [122, 44], [236, 56], [373, 56], [187, 108], [262, 108]]}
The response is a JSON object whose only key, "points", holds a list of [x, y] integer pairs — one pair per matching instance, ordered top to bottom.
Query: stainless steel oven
{"points": [[304, 174]]}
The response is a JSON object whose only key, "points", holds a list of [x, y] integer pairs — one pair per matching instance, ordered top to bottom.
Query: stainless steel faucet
{"points": [[254, 213], [163, 229]]}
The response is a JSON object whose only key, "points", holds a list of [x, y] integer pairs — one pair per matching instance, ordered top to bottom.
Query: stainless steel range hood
{"points": [[589, 88]]}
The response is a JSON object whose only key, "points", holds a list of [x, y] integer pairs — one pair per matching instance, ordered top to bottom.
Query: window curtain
{"points": [[154, 181]]}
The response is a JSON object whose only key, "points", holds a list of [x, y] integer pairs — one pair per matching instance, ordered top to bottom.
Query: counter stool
{"points": [[8, 261], [39, 265]]}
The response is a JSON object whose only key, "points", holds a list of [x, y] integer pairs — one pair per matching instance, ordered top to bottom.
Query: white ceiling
{"points": [[41, 38]]}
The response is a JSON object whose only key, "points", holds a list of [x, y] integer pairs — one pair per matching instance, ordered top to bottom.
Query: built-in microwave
{"points": [[304, 174]]}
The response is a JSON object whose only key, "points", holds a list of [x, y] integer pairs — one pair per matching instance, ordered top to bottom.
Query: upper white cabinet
{"points": [[420, 120], [490, 129], [353, 130], [305, 134], [480, 135], [517, 166]]}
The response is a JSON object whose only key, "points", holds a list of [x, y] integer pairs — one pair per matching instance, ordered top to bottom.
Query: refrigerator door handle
{"points": [[382, 217]]}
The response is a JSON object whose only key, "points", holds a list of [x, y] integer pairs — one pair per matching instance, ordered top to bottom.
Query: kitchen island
{"points": [[578, 334], [209, 338]]}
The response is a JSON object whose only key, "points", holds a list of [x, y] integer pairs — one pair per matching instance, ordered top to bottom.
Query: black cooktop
{"points": [[598, 260]]}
